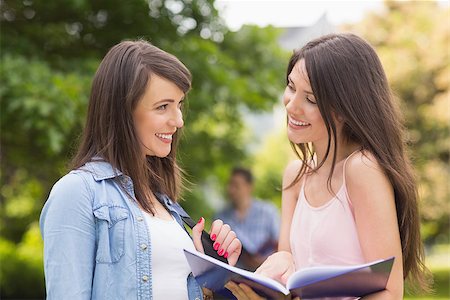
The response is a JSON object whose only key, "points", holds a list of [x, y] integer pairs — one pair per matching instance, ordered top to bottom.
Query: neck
{"points": [[343, 151], [243, 205]]}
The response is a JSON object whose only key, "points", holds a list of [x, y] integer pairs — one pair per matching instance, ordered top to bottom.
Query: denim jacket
{"points": [[96, 242]]}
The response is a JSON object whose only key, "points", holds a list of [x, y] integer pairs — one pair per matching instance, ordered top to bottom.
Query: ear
{"points": [[338, 118], [339, 121]]}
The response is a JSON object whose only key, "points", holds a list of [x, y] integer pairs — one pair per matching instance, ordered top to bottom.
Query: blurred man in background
{"points": [[255, 222]]}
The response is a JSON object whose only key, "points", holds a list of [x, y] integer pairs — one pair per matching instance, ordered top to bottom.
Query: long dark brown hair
{"points": [[348, 80], [118, 85]]}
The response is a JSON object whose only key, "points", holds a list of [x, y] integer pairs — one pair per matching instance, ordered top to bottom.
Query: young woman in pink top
{"points": [[351, 197]]}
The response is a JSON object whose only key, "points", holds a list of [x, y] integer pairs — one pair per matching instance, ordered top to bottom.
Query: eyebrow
{"points": [[307, 92], [168, 100]]}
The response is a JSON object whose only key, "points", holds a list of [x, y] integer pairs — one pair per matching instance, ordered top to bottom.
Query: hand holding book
{"points": [[278, 266], [313, 282], [243, 292]]}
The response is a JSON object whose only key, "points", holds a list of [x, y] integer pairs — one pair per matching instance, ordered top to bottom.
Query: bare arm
{"points": [[372, 196], [289, 200], [280, 265]]}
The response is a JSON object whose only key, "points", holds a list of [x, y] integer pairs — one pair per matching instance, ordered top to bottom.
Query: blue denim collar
{"points": [[101, 169]]}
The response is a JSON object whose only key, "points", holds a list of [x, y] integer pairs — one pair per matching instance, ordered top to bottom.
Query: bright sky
{"points": [[285, 13]]}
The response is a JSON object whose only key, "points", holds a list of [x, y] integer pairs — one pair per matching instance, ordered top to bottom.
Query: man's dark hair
{"points": [[246, 173]]}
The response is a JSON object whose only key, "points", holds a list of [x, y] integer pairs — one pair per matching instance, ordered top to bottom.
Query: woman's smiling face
{"points": [[158, 116], [305, 123]]}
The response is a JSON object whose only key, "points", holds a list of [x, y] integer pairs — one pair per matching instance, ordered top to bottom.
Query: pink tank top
{"points": [[325, 235]]}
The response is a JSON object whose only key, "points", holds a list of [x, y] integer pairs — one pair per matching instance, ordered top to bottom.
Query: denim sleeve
{"points": [[68, 229]]}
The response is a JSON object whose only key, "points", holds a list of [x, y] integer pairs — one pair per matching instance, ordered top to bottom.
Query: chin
{"points": [[296, 139], [164, 153], [160, 154]]}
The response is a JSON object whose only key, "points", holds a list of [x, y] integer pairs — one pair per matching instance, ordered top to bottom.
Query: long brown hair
{"points": [[348, 80], [118, 85]]}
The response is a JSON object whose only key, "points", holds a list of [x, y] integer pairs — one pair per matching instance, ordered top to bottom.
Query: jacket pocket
{"points": [[110, 233]]}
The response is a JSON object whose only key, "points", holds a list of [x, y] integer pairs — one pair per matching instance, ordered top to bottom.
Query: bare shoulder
{"points": [[363, 165], [291, 171], [364, 175]]}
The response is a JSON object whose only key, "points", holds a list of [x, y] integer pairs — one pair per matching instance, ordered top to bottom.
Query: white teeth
{"points": [[298, 123], [164, 136]]}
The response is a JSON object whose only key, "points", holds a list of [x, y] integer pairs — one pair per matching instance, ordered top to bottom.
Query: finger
{"points": [[215, 228], [223, 231], [197, 234], [223, 249], [234, 250], [266, 266], [262, 268], [269, 269], [272, 270], [272, 273], [285, 276], [236, 290], [250, 292], [207, 293]]}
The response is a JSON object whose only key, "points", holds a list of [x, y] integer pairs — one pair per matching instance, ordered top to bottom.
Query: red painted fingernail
{"points": [[200, 220], [213, 237], [216, 246], [221, 252], [225, 255]]}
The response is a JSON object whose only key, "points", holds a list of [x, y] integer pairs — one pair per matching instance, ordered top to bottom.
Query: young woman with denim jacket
{"points": [[112, 228]]}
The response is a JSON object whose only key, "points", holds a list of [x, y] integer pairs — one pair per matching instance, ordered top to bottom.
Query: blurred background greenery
{"points": [[50, 51]]}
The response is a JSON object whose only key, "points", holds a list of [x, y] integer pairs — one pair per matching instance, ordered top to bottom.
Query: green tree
{"points": [[412, 39], [49, 53], [269, 164]]}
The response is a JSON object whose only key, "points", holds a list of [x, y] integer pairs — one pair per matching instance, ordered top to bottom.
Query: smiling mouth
{"points": [[297, 124], [165, 137]]}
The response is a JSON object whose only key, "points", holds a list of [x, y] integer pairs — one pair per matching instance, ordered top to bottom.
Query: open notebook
{"points": [[313, 282]]}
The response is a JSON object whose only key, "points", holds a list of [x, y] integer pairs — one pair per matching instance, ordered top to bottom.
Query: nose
{"points": [[292, 103], [176, 119]]}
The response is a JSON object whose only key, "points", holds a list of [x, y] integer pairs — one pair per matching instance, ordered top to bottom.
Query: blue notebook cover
{"points": [[313, 282]]}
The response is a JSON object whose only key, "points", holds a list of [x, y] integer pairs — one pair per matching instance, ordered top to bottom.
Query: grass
{"points": [[439, 263]]}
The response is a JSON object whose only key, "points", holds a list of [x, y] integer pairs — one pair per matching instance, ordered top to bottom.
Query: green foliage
{"points": [[412, 40], [41, 107], [269, 164], [20, 207], [439, 264], [21, 268]]}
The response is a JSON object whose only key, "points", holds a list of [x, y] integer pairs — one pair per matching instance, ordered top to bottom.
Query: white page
{"points": [[198, 269]]}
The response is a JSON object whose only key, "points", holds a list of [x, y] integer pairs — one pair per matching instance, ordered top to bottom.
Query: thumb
{"points": [[197, 234]]}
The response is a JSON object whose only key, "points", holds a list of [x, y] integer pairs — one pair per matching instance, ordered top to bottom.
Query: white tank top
{"points": [[169, 266]]}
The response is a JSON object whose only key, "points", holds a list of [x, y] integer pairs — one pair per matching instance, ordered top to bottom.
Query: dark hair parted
{"points": [[348, 80], [109, 133]]}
